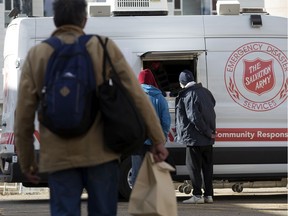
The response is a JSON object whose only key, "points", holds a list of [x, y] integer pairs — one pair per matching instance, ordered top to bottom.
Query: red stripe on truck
{"points": [[246, 134], [252, 134], [8, 138]]}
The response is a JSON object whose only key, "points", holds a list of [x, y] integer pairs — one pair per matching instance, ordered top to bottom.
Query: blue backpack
{"points": [[68, 104]]}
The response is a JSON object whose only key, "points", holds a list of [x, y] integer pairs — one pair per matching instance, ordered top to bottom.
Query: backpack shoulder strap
{"points": [[83, 39], [54, 42], [105, 56]]}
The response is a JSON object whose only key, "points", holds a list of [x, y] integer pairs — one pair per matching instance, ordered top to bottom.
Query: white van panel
{"points": [[239, 26], [44, 27], [150, 27], [154, 34], [11, 35], [27, 38], [231, 44], [249, 168], [234, 169]]}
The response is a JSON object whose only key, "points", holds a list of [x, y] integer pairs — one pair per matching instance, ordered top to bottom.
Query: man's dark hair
{"points": [[69, 12]]}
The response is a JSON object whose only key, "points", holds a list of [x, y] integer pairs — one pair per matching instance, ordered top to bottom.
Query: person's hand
{"points": [[160, 153], [32, 176]]}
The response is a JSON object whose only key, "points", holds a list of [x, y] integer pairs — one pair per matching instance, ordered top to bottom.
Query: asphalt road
{"points": [[251, 202]]}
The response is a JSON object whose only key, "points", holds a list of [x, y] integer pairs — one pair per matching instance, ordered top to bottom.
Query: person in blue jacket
{"points": [[150, 87], [195, 128]]}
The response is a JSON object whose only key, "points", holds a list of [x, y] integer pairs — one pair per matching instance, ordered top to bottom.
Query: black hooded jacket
{"points": [[195, 116]]}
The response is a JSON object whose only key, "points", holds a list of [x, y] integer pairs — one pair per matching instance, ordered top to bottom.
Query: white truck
{"points": [[241, 59]]}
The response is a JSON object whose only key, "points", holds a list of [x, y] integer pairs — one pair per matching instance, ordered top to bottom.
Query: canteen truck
{"points": [[241, 59]]}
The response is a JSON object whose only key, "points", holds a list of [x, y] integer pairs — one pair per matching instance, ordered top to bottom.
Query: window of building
{"points": [[177, 4], [8, 5], [21, 6], [177, 7], [214, 7], [7, 8], [48, 8]]}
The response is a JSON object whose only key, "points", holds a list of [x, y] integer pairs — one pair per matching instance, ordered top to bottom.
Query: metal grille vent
{"points": [[133, 3]]}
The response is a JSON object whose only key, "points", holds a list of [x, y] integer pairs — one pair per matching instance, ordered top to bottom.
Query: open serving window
{"points": [[166, 67]]}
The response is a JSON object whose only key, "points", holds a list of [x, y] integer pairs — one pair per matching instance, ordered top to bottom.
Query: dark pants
{"points": [[200, 159], [100, 182]]}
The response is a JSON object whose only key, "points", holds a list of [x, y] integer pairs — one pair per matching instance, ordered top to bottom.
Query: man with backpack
{"points": [[81, 161]]}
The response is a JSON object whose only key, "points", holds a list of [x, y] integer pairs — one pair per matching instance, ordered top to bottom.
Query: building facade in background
{"points": [[11, 8]]}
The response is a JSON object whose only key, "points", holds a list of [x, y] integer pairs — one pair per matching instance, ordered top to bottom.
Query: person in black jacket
{"points": [[195, 128]]}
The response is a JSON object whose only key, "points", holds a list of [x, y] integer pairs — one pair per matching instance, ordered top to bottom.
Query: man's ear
{"points": [[84, 22]]}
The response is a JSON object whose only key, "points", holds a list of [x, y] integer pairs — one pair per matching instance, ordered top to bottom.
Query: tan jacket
{"points": [[57, 153]]}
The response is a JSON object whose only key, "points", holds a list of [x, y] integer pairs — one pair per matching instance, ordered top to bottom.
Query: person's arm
{"points": [[142, 102], [195, 115], [165, 117], [24, 122]]}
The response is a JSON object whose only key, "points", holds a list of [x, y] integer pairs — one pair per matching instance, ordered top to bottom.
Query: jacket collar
{"points": [[68, 29], [190, 84], [190, 87]]}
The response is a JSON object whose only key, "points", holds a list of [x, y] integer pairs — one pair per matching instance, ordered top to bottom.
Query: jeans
{"points": [[136, 160], [136, 164], [100, 182]]}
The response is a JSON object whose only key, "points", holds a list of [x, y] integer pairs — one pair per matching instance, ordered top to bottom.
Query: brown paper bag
{"points": [[153, 193]]}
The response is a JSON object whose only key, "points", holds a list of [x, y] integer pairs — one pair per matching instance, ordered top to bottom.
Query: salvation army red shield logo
{"points": [[258, 76]]}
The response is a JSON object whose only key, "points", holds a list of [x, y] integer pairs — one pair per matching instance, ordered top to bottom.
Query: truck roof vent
{"points": [[133, 4], [140, 7], [228, 7], [95, 9], [253, 10]]}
